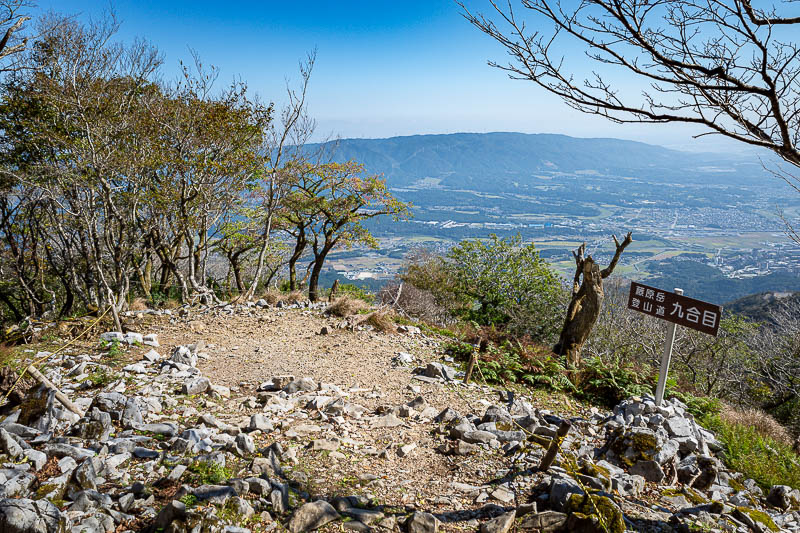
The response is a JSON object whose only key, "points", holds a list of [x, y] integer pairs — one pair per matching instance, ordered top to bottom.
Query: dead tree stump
{"points": [[334, 290], [586, 301]]}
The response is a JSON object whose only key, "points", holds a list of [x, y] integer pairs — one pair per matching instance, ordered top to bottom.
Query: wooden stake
{"points": [[473, 358], [470, 367], [38, 376], [555, 444]]}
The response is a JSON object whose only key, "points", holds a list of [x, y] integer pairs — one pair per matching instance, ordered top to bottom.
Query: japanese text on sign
{"points": [[694, 314]]}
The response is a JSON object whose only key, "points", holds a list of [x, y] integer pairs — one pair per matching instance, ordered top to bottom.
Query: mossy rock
{"points": [[34, 406], [643, 443], [591, 469], [736, 485], [690, 494], [595, 512], [759, 517]]}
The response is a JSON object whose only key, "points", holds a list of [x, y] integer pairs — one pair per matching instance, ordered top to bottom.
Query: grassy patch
{"points": [[114, 347], [9, 357], [100, 377], [767, 461], [209, 473], [189, 500]]}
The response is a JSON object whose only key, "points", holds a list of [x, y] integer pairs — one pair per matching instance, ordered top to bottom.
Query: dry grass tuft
{"points": [[272, 297], [294, 297], [415, 302], [171, 303], [139, 304], [346, 306], [382, 321], [761, 422]]}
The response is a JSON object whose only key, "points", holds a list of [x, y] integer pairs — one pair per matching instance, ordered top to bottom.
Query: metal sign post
{"points": [[678, 310], [666, 358]]}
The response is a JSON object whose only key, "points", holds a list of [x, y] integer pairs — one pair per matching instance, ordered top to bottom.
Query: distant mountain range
{"points": [[500, 161]]}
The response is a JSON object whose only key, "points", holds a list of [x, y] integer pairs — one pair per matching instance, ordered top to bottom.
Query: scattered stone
{"points": [[184, 356], [437, 371], [195, 386], [387, 421], [261, 423], [8, 445], [330, 445], [403, 451], [650, 470], [216, 494], [784, 497], [29, 516], [312, 516], [420, 522], [545, 522], [500, 524]]}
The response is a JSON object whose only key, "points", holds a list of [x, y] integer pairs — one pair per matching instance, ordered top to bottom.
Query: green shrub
{"points": [[494, 282], [354, 291], [114, 348], [515, 363], [100, 377], [608, 381], [700, 406], [761, 458], [210, 472], [189, 500]]}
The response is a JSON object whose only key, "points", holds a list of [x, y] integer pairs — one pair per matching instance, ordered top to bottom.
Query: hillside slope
{"points": [[495, 161], [761, 307]]}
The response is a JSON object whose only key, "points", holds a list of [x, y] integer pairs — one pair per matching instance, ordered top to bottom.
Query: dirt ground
{"points": [[244, 351]]}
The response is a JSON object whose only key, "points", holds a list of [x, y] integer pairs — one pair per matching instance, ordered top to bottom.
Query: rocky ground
{"points": [[255, 418]]}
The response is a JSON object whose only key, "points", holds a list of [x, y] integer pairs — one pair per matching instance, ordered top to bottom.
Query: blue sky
{"points": [[384, 68]]}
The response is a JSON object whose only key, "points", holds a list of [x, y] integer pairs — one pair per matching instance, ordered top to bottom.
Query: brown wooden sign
{"points": [[676, 308]]}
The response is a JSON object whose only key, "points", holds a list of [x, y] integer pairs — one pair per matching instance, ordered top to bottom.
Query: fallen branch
{"points": [[38, 376]]}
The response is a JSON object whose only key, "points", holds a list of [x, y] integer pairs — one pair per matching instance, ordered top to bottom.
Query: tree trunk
{"points": [[299, 247], [262, 254], [319, 260], [237, 274], [147, 278], [313, 282], [334, 288], [586, 302]]}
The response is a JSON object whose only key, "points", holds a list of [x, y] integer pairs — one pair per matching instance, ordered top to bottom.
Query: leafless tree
{"points": [[13, 17], [726, 66], [285, 141], [779, 348]]}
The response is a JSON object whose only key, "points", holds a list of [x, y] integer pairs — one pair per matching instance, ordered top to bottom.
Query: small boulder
{"points": [[183, 355], [195, 386], [8, 445], [650, 470], [783, 497], [29, 516], [312, 516], [420, 522], [500, 524]]}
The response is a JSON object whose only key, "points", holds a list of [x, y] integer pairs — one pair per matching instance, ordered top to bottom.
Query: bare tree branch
{"points": [[718, 64]]}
